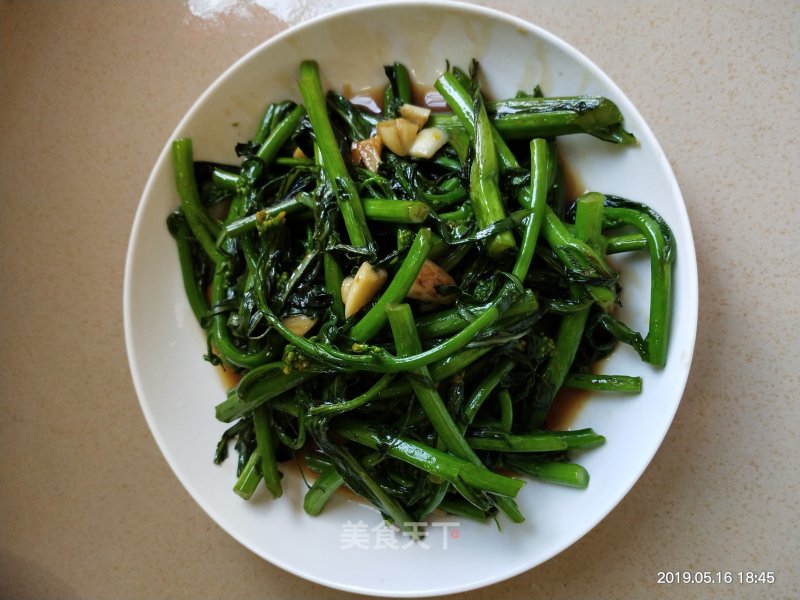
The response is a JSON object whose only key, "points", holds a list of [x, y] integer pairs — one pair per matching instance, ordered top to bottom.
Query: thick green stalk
{"points": [[402, 81], [461, 103], [272, 115], [525, 118], [332, 162], [542, 162], [224, 179], [484, 193], [448, 198], [193, 210], [396, 211], [589, 221], [179, 228], [626, 243], [333, 283], [567, 340], [408, 343], [608, 383], [258, 386], [506, 409], [498, 440], [266, 448], [442, 464], [561, 473], [248, 481], [324, 487]]}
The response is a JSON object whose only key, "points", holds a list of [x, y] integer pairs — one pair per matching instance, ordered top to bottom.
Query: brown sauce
{"points": [[228, 376], [565, 408]]}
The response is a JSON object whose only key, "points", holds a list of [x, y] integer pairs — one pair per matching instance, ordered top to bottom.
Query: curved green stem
{"points": [[281, 134], [660, 280], [375, 319], [223, 342], [377, 360], [259, 386], [485, 388], [341, 407]]}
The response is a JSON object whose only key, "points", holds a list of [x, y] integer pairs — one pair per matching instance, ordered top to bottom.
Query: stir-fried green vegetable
{"points": [[403, 294]]}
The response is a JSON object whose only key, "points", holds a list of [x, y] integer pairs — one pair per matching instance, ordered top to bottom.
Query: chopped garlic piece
{"points": [[416, 114], [398, 135], [428, 142], [367, 152], [346, 283], [366, 283], [424, 287], [299, 324]]}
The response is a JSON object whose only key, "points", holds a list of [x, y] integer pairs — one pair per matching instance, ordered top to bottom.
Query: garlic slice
{"points": [[416, 114], [398, 135], [428, 142], [367, 153], [346, 283], [366, 283], [424, 286], [299, 324]]}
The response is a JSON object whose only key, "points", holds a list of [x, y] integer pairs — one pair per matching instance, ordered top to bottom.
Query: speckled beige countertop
{"points": [[89, 93]]}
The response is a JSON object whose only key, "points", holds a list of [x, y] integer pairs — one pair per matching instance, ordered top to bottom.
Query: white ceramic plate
{"points": [[178, 390]]}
